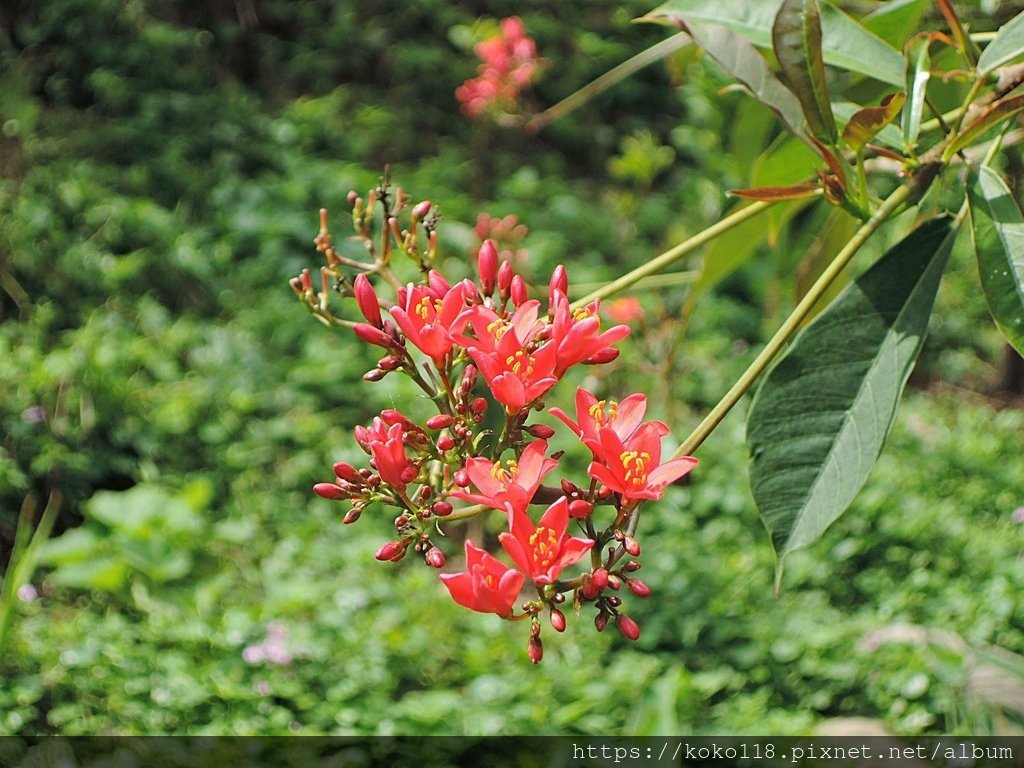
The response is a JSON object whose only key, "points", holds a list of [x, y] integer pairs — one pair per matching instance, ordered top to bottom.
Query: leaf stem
{"points": [[673, 254], [792, 324]]}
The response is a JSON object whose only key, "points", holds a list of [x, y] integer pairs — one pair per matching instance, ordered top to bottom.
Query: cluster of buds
{"points": [[509, 64], [487, 356]]}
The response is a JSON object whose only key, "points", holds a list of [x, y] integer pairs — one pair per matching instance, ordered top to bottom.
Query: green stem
{"points": [[608, 79], [658, 263], [793, 323], [23, 561]]}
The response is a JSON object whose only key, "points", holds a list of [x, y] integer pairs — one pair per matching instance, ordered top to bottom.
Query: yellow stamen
{"points": [[635, 463]]}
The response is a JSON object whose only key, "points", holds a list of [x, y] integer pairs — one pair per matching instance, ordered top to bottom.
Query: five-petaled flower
{"points": [[426, 319], [577, 334], [517, 374], [593, 415], [633, 468], [512, 482], [542, 551], [487, 585]]}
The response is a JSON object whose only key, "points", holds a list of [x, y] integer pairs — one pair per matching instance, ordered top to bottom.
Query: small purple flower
{"points": [[1018, 515], [27, 593], [273, 649]]}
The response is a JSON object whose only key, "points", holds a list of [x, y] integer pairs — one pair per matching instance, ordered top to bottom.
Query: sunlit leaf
{"points": [[796, 39], [845, 43], [1007, 45], [741, 60], [919, 64], [992, 116], [867, 122], [888, 136], [998, 230], [822, 413]]}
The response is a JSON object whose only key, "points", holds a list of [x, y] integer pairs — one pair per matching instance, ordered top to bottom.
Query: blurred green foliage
{"points": [[161, 165]]}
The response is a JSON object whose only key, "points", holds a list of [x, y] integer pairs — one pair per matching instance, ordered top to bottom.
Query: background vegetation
{"points": [[162, 164]]}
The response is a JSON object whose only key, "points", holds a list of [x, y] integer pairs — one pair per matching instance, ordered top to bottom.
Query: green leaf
{"points": [[895, 21], [796, 38], [845, 43], [1007, 45], [741, 60], [919, 62], [992, 116], [865, 123], [997, 226], [821, 416], [74, 546], [107, 574]]}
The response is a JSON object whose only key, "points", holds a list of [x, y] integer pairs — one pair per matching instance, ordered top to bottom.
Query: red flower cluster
{"points": [[509, 64], [471, 345]]}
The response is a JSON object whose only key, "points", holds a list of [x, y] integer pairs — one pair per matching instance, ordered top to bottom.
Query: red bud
{"points": [[420, 210], [487, 266], [505, 275], [307, 281], [559, 282], [518, 292], [366, 297], [372, 335], [604, 356], [374, 374], [479, 405], [440, 421], [541, 431], [445, 443], [348, 473], [462, 478], [330, 491], [442, 508], [580, 509], [352, 515], [631, 545], [392, 552], [434, 558], [599, 579], [638, 588], [557, 620], [601, 621], [629, 628], [535, 649]]}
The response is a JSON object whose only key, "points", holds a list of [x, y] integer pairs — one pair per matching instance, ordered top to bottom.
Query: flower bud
{"points": [[420, 210], [487, 266], [505, 275], [306, 279], [559, 282], [437, 283], [296, 285], [517, 290], [366, 297], [372, 335], [606, 355], [389, 363], [374, 374], [468, 380], [479, 405], [391, 417], [440, 421], [540, 431], [445, 443], [348, 473], [409, 473], [462, 478], [569, 488], [330, 491], [442, 508], [580, 509], [353, 514], [631, 545], [393, 551], [434, 558], [631, 566], [599, 578], [614, 581], [638, 588], [557, 620], [601, 621], [629, 628], [535, 649]]}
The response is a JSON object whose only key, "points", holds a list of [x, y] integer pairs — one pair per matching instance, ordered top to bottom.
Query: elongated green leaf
{"points": [[895, 21], [796, 38], [845, 43], [1007, 46], [741, 60], [919, 62], [995, 114], [865, 123], [998, 230], [822, 414]]}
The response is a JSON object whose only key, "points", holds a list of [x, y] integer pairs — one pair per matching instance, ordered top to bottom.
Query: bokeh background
{"points": [[161, 167]]}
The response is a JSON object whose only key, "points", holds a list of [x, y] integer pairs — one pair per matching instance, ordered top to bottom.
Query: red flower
{"points": [[426, 319], [489, 327], [577, 335], [516, 374], [592, 415], [387, 447], [634, 469], [513, 482], [543, 551], [487, 585]]}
